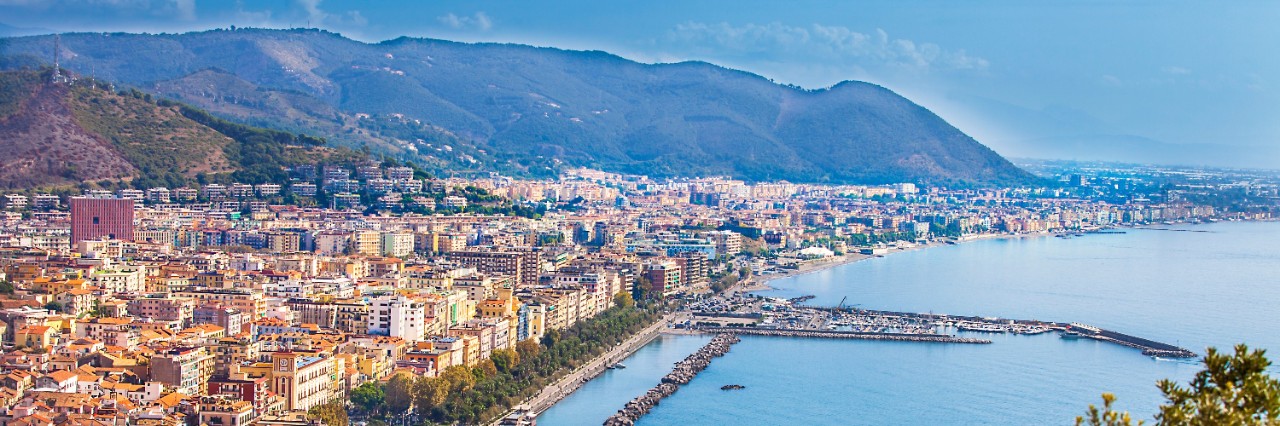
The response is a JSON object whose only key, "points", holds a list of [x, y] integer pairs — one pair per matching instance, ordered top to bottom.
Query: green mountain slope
{"points": [[480, 107], [63, 134]]}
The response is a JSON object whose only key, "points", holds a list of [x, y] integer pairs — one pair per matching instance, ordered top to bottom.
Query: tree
{"points": [[6, 287], [624, 299], [53, 306], [527, 349], [505, 360], [487, 368], [459, 378], [1231, 390], [429, 392], [399, 393], [368, 396], [329, 414], [1106, 416]]}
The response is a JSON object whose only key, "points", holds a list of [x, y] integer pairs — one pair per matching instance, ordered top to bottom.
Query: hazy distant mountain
{"points": [[7, 30], [459, 107], [61, 134], [1068, 134]]}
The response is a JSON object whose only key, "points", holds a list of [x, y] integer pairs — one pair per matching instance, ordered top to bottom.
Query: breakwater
{"points": [[1017, 326], [902, 337], [684, 371]]}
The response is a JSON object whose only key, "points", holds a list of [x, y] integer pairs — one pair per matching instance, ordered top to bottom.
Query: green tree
{"points": [[6, 287], [624, 299], [53, 306], [527, 349], [505, 360], [459, 378], [1231, 390], [429, 392], [399, 393], [368, 396], [329, 414], [1106, 416]]}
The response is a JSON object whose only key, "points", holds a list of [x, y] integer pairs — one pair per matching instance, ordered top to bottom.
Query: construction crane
{"points": [[841, 305]]}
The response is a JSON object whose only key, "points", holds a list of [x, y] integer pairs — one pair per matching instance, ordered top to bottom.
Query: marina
{"points": [[787, 317]]}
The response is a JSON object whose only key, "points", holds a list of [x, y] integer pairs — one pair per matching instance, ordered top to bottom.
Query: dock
{"points": [[788, 317], [827, 334]]}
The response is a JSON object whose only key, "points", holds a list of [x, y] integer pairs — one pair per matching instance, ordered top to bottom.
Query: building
{"points": [[97, 218], [397, 244], [523, 265], [397, 316], [187, 369], [304, 381]]}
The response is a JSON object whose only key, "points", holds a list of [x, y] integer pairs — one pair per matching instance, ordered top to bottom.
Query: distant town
{"points": [[231, 304]]}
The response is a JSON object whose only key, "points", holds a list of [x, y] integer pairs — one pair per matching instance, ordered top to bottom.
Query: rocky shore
{"points": [[684, 371]]}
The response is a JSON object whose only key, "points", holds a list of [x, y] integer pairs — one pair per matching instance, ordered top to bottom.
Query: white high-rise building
{"points": [[397, 316]]}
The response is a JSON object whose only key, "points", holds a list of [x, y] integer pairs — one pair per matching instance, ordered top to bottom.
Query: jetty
{"points": [[790, 318], [901, 337], [684, 372]]}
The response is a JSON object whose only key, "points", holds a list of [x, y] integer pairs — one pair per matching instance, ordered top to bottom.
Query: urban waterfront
{"points": [[1197, 286]]}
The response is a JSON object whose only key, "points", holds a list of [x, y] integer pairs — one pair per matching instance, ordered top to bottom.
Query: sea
{"points": [[1195, 286]]}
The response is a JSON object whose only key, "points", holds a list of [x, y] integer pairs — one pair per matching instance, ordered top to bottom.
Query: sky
{"points": [[1026, 78]]}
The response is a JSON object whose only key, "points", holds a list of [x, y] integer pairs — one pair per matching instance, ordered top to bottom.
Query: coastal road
{"points": [[562, 388]]}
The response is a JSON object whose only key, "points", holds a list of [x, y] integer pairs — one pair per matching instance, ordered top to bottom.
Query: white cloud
{"points": [[186, 9], [320, 18], [478, 21], [821, 43], [1175, 70], [1111, 80]]}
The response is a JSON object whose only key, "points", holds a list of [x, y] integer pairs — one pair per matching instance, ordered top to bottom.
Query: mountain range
{"points": [[452, 107]]}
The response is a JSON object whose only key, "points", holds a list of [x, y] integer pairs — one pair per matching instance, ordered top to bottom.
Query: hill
{"points": [[480, 107], [64, 134]]}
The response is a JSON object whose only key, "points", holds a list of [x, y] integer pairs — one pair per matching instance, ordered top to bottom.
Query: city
{"points": [[232, 304]]}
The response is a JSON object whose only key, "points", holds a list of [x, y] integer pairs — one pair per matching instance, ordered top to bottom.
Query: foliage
{"points": [[6, 287], [624, 299], [53, 306], [1232, 389], [399, 393], [474, 395], [368, 396], [329, 414], [1106, 416]]}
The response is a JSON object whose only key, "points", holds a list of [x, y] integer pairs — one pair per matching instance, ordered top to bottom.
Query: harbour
{"points": [[1049, 378]]}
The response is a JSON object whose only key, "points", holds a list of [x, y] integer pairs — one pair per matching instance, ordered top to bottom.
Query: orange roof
{"points": [[62, 376]]}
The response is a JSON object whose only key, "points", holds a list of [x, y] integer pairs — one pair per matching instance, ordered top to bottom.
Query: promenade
{"points": [[566, 385]]}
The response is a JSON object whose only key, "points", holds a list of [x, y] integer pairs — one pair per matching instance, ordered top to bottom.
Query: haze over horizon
{"points": [[1092, 81]]}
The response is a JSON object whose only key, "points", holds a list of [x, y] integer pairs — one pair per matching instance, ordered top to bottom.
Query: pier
{"points": [[787, 317], [901, 337], [684, 372]]}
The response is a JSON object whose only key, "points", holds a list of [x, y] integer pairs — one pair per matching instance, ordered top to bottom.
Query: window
{"points": [[96, 220]]}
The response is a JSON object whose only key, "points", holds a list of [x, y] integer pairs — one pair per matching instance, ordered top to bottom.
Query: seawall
{"points": [[684, 372]]}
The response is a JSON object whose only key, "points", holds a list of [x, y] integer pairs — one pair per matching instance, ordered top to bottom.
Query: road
{"points": [[562, 388]]}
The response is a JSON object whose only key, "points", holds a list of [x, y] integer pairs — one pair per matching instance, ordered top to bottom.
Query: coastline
{"points": [[762, 282], [569, 383]]}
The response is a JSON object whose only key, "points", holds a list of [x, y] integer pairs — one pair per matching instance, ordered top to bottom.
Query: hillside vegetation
{"points": [[461, 107], [64, 134]]}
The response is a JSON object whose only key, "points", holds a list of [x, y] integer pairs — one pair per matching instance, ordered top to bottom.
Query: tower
{"points": [[57, 52]]}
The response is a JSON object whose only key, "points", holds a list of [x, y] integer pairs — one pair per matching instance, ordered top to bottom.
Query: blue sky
{"points": [[1016, 75]]}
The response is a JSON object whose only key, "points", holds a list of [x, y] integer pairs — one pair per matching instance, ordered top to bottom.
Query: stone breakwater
{"points": [[903, 337], [684, 371]]}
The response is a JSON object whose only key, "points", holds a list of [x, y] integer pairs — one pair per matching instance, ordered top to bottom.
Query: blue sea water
{"points": [[1195, 286]]}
